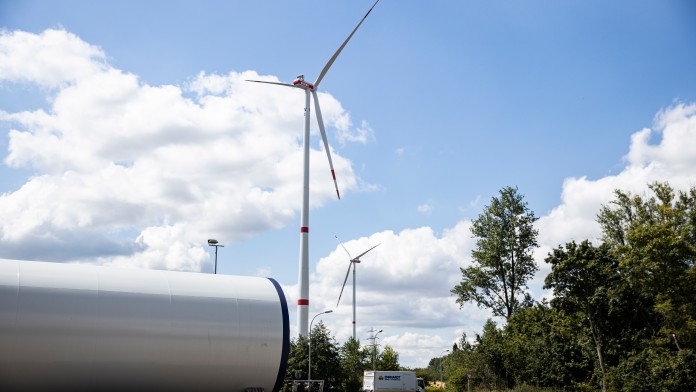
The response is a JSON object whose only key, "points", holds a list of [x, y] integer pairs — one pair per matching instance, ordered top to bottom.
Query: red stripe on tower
{"points": [[304, 229], [303, 302]]}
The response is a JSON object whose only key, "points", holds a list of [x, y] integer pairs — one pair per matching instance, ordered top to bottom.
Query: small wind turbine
{"points": [[352, 261], [303, 298]]}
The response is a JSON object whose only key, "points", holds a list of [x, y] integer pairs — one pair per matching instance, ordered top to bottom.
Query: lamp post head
{"points": [[212, 242]]}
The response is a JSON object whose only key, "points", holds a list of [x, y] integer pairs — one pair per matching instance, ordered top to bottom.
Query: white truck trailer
{"points": [[392, 381]]}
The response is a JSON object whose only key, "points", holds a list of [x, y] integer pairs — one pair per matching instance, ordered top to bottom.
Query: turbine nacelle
{"points": [[300, 82]]}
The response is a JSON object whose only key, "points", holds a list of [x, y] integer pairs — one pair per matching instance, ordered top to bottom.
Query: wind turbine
{"points": [[352, 262], [303, 297]]}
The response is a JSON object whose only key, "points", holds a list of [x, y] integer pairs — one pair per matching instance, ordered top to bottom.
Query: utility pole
{"points": [[373, 337]]}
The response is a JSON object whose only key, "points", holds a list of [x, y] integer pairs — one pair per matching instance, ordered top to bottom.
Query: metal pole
{"points": [[216, 248], [355, 265], [374, 349], [374, 356], [309, 367]]}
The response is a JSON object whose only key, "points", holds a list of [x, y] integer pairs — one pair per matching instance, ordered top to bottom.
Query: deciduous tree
{"points": [[654, 240], [503, 260], [585, 279], [388, 359], [326, 362], [354, 362]]}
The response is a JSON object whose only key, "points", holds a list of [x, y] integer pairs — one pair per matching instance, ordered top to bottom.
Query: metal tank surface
{"points": [[81, 327]]}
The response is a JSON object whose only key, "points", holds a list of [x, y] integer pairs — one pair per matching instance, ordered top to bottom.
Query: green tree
{"points": [[654, 240], [503, 259], [585, 280], [541, 349], [489, 357], [388, 359], [297, 361], [353, 361], [326, 362], [460, 362], [656, 369]]}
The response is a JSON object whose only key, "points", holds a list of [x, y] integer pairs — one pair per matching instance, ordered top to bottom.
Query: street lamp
{"points": [[213, 242], [374, 350], [445, 351], [309, 370]]}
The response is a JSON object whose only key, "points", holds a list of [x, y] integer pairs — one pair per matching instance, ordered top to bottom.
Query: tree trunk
{"points": [[600, 354]]}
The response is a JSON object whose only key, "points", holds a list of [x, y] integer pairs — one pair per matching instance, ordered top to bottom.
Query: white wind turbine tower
{"points": [[352, 262], [303, 298]]}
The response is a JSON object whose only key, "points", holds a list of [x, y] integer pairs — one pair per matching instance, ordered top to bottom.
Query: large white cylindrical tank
{"points": [[81, 327]]}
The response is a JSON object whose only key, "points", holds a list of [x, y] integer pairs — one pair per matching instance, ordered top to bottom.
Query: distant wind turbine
{"points": [[352, 262], [303, 298]]}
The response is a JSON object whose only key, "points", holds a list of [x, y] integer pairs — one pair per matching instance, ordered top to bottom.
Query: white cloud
{"points": [[51, 59], [363, 134], [676, 151], [116, 156], [425, 209], [165, 247], [264, 271], [403, 287]]}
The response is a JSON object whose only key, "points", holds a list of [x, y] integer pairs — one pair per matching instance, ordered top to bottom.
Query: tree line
{"points": [[623, 312], [340, 366]]}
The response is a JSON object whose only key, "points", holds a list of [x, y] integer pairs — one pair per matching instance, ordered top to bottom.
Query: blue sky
{"points": [[129, 137]]}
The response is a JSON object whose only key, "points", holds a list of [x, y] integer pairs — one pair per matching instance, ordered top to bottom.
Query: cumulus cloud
{"points": [[51, 59], [672, 158], [145, 172], [403, 286]]}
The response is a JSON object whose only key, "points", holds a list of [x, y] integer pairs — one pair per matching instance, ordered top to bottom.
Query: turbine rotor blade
{"points": [[335, 55], [276, 83], [326, 142], [344, 248], [365, 252], [350, 264]]}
